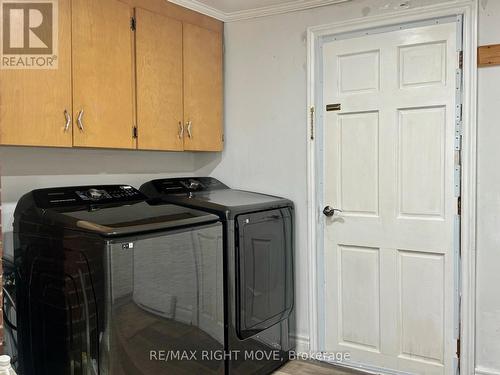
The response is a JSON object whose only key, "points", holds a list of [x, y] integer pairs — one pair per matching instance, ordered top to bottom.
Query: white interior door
{"points": [[389, 166]]}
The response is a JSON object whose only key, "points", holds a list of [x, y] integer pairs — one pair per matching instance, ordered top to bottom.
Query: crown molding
{"points": [[291, 6], [201, 8]]}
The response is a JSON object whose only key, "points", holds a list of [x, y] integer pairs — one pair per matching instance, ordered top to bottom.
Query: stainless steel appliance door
{"points": [[264, 272], [166, 304]]}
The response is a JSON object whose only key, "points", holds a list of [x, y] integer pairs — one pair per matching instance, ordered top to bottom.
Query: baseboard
{"points": [[301, 343], [486, 371]]}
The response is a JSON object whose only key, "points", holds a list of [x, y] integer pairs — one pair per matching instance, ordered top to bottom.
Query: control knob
{"points": [[194, 185], [95, 194]]}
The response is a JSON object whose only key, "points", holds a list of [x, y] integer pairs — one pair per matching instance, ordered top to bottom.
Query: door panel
{"points": [[423, 64], [102, 74], [354, 80], [159, 82], [202, 88], [32, 102], [421, 144], [389, 165], [359, 172], [421, 279], [360, 310]]}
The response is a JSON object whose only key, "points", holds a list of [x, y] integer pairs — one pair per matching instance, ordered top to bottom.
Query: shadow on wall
{"points": [[30, 161], [206, 162], [28, 168]]}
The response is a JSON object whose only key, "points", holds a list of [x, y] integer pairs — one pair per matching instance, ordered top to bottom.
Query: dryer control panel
{"points": [[187, 185], [83, 195]]}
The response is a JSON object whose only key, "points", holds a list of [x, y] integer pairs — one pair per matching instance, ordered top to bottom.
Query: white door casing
{"points": [[389, 165]]}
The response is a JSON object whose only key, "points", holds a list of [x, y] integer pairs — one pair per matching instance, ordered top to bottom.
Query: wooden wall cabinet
{"points": [[159, 82], [179, 84], [160, 89], [202, 89], [103, 100], [35, 105]]}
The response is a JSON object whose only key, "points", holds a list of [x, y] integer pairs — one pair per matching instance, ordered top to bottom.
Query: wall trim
{"points": [[290, 6], [201, 8], [467, 8], [301, 343], [486, 371]]}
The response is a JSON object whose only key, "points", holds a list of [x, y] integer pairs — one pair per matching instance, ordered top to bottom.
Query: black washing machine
{"points": [[258, 272], [109, 283]]}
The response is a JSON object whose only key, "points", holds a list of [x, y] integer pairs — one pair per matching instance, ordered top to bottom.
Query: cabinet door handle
{"points": [[68, 120], [79, 120], [189, 125], [181, 130]]}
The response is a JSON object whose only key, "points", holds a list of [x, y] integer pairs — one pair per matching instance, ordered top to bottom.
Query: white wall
{"points": [[265, 113], [266, 139], [24, 169], [488, 200]]}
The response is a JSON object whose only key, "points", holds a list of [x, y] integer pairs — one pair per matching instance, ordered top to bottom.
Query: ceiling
{"points": [[230, 6], [233, 10]]}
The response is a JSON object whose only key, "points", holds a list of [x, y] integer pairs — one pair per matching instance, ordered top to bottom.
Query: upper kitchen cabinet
{"points": [[149, 78], [159, 82], [203, 93], [103, 99], [35, 104]]}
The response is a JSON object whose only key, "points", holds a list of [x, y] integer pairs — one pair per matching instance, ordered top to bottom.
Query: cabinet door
{"points": [[102, 74], [159, 82], [202, 89], [33, 102]]}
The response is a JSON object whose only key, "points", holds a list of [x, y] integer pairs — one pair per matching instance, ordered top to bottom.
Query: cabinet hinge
{"points": [[133, 25], [311, 112], [134, 132], [223, 138]]}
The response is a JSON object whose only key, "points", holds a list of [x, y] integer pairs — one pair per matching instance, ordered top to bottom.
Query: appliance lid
{"points": [[211, 195], [231, 198], [229, 203], [108, 210], [135, 218]]}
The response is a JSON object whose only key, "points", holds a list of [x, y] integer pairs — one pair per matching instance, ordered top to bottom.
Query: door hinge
{"points": [[133, 24], [460, 59], [311, 112], [134, 132], [459, 206], [458, 349]]}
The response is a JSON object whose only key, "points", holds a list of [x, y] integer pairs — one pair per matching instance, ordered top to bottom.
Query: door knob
{"points": [[330, 211]]}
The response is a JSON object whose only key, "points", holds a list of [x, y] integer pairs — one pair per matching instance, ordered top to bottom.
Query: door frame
{"points": [[468, 10]]}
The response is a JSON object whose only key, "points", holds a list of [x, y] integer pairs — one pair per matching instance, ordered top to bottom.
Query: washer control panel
{"points": [[187, 185], [68, 196]]}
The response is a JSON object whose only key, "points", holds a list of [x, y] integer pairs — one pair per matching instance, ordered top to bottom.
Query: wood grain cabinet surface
{"points": [[132, 74], [159, 82], [202, 89], [103, 100], [36, 104]]}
